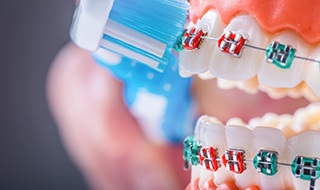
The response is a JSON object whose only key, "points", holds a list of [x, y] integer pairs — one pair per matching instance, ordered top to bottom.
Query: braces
{"points": [[278, 54], [265, 161]]}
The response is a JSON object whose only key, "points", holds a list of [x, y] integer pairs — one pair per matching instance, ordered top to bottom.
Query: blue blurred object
{"points": [[178, 115]]}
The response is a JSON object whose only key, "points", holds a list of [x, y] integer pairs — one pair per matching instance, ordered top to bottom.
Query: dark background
{"points": [[32, 155]]}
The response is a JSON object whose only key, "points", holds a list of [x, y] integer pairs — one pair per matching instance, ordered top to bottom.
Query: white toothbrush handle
{"points": [[89, 21]]}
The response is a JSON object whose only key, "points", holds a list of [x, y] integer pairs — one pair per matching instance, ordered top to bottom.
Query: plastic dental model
{"points": [[271, 46]]}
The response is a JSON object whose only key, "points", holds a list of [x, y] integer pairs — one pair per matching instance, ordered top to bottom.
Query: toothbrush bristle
{"points": [[161, 20]]}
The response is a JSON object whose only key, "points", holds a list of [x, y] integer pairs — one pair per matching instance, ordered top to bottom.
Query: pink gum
{"points": [[274, 16]]}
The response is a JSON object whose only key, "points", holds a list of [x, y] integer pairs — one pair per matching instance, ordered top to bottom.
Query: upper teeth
{"points": [[286, 71]]}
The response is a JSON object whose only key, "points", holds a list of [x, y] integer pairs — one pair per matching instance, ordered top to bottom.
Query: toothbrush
{"points": [[143, 30]]}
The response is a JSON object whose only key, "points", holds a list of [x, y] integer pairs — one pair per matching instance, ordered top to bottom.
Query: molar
{"points": [[197, 61], [245, 67], [276, 77]]}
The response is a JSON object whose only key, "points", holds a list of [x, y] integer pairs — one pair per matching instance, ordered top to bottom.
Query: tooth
{"points": [[197, 61], [230, 67], [184, 74], [206, 76], [273, 76], [313, 77], [226, 84], [249, 86], [296, 92], [274, 93], [309, 94], [314, 111], [304, 118], [270, 119], [236, 121], [286, 121], [254, 122], [301, 122], [316, 126], [211, 133], [241, 138], [272, 139], [304, 144], [195, 172]]}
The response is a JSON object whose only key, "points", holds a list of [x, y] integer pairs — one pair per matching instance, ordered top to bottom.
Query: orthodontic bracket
{"points": [[280, 55], [265, 161]]}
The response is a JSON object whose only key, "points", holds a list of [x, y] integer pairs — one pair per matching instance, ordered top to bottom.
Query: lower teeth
{"points": [[303, 167]]}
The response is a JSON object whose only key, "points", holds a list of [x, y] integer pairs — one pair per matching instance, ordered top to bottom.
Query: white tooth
{"points": [[197, 61], [230, 67], [185, 74], [206, 76], [273, 76], [313, 77], [226, 84], [249, 86], [274, 93], [304, 118], [270, 119], [236, 121], [286, 121], [254, 122], [211, 133], [241, 138], [272, 139], [304, 144], [195, 172], [205, 175]]}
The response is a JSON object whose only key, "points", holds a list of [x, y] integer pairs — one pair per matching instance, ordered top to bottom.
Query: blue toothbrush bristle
{"points": [[162, 20]]}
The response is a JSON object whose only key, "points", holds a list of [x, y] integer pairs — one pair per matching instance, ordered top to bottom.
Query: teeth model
{"points": [[271, 46], [262, 156]]}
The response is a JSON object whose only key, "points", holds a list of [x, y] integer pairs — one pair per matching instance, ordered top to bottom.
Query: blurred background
{"points": [[31, 153]]}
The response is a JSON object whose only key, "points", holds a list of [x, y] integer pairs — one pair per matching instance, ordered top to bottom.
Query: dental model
{"points": [[251, 44], [273, 45]]}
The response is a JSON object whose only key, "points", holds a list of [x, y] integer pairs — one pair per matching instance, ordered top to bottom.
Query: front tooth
{"points": [[197, 61], [245, 67], [276, 77], [313, 78], [212, 134], [241, 138], [272, 139], [304, 144]]}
